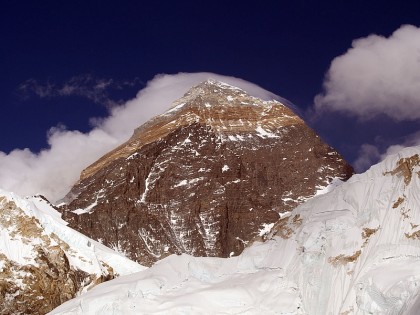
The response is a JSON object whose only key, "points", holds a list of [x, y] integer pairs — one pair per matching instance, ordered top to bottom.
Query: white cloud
{"points": [[378, 75], [53, 171]]}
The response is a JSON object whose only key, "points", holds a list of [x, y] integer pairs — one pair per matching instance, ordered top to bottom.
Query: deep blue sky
{"points": [[284, 46]]}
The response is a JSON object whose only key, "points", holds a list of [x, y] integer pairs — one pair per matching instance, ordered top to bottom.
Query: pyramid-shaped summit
{"points": [[204, 178]]}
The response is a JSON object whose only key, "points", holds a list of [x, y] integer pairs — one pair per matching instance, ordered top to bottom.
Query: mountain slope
{"points": [[204, 178], [354, 250], [43, 263]]}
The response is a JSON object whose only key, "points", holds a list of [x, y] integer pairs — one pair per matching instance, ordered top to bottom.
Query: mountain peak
{"points": [[216, 85], [213, 93], [223, 108], [204, 178]]}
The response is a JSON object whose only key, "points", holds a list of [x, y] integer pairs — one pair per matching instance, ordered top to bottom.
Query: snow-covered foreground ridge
{"points": [[355, 250], [84, 253], [43, 262]]}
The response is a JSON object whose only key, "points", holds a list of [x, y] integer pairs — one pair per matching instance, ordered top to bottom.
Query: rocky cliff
{"points": [[204, 178]]}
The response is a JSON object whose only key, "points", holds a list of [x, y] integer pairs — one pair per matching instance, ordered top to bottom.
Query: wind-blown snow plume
{"points": [[378, 75], [409, 141], [368, 155], [52, 171]]}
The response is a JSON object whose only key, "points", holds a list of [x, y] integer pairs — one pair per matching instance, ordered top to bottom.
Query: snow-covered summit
{"points": [[215, 94], [354, 250]]}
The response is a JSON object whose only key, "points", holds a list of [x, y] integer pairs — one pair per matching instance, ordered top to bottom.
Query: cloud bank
{"points": [[377, 75], [53, 171]]}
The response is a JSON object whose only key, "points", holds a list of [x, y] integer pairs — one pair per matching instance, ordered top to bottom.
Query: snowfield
{"points": [[353, 250]]}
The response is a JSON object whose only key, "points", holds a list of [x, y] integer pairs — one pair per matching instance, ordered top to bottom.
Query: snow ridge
{"points": [[83, 252]]}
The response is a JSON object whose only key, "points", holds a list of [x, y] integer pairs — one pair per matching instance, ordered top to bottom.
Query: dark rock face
{"points": [[204, 178]]}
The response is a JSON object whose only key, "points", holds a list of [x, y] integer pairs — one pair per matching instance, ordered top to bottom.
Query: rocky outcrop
{"points": [[204, 178], [38, 269], [46, 279]]}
